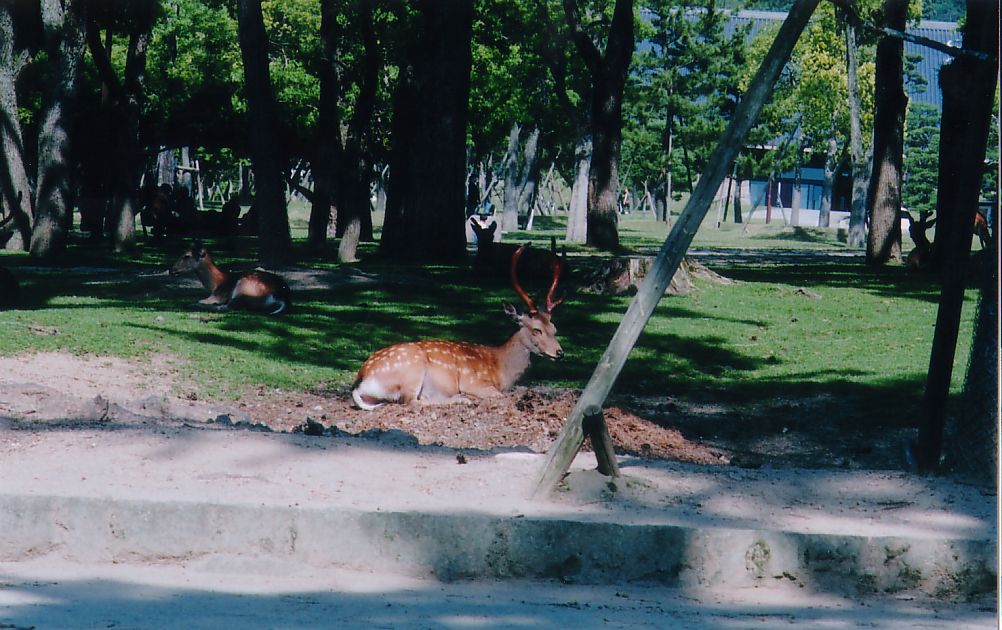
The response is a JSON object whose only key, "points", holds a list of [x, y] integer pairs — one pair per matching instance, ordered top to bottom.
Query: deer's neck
{"points": [[212, 277], [513, 360]]}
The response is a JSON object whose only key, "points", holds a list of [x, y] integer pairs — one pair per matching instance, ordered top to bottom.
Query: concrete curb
{"points": [[453, 546]]}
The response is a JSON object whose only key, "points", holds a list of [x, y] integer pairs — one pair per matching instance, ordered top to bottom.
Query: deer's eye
{"points": [[537, 332]]}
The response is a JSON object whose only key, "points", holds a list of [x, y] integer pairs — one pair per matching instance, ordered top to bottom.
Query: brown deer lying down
{"points": [[257, 290], [437, 371]]}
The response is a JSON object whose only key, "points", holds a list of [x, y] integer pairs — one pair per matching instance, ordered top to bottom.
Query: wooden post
{"points": [[596, 429], [559, 457]]}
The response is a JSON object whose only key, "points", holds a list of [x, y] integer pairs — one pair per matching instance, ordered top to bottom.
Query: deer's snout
{"points": [[560, 353]]}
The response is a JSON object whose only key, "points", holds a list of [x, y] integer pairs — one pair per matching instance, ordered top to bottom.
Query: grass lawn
{"points": [[866, 337]]}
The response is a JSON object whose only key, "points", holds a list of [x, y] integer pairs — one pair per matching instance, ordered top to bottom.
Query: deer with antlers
{"points": [[438, 371]]}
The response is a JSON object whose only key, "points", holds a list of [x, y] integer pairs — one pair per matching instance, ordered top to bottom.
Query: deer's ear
{"points": [[512, 312]]}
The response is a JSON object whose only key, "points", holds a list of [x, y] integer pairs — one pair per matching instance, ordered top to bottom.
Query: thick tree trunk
{"points": [[63, 23], [608, 77], [968, 95], [122, 105], [403, 128], [328, 153], [267, 154], [860, 172], [603, 175], [429, 186], [15, 192], [883, 197], [356, 214], [577, 226], [976, 436]]}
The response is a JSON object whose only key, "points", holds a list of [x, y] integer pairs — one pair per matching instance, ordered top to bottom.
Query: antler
{"points": [[557, 266], [514, 280]]}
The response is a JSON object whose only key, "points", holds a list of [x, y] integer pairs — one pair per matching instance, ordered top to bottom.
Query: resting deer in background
{"points": [[493, 258], [920, 258], [252, 290], [438, 371]]}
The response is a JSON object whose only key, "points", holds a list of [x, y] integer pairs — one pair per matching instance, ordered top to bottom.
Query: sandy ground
{"points": [[52, 404], [74, 425], [54, 594]]}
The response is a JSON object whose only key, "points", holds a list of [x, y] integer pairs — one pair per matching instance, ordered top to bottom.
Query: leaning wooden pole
{"points": [[560, 455]]}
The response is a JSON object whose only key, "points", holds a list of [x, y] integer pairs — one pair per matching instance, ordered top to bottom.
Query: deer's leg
{"points": [[211, 303], [481, 390]]}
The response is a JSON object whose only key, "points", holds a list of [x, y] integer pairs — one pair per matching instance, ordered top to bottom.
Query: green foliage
{"points": [[944, 10], [293, 28], [194, 76], [510, 81], [684, 84], [810, 103], [921, 158]]}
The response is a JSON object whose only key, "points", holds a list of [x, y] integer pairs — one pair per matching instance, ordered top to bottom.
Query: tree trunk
{"points": [[63, 24], [608, 76], [968, 96], [122, 104], [403, 131], [328, 152], [267, 154], [166, 169], [529, 175], [356, 176], [429, 185], [15, 191], [795, 197], [883, 197], [661, 201], [737, 201], [795, 203], [509, 211], [857, 214], [824, 216], [577, 226], [976, 439]]}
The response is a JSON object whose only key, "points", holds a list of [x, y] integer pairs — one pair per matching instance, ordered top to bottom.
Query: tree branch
{"points": [[853, 17], [586, 47], [619, 50], [553, 54], [102, 62], [135, 62]]}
